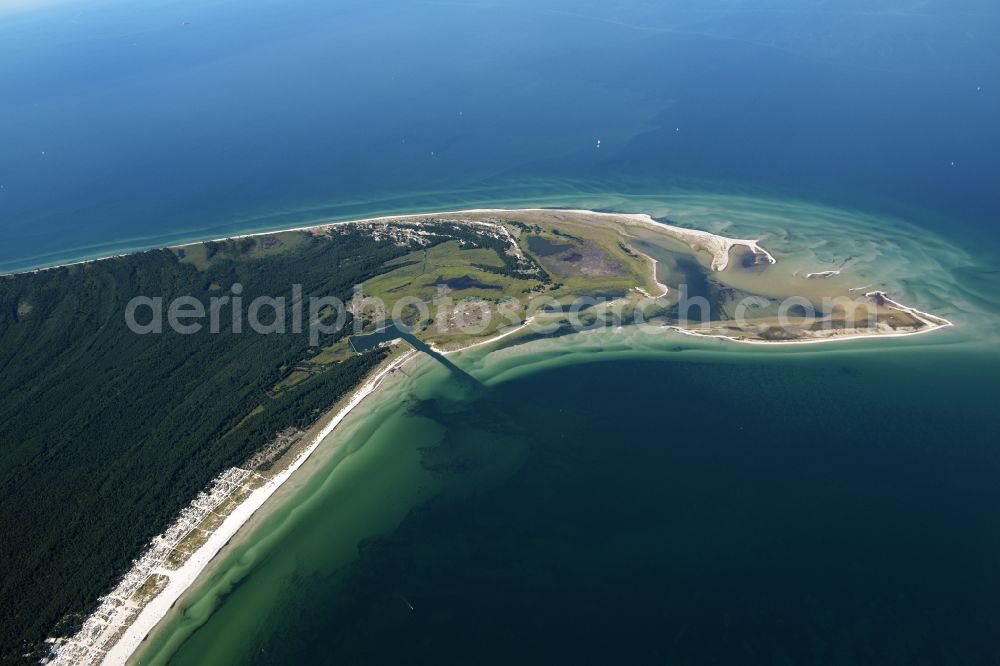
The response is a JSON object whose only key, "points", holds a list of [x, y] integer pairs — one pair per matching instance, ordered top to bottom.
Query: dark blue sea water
{"points": [[125, 125]]}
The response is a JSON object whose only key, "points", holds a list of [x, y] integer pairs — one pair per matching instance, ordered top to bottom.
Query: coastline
{"points": [[718, 246], [931, 323], [810, 341], [184, 577]]}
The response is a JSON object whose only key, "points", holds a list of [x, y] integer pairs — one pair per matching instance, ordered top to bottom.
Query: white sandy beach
{"points": [[718, 246], [182, 578]]}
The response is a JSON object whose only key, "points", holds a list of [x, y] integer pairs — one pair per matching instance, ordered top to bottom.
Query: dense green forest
{"points": [[105, 435]]}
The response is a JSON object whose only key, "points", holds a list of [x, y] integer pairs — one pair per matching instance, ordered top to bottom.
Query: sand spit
{"points": [[930, 323], [113, 638]]}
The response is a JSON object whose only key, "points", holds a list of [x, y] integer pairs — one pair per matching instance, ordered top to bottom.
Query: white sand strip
{"points": [[717, 246], [509, 331], [181, 579]]}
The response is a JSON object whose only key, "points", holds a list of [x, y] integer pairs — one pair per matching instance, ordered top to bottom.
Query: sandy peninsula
{"points": [[116, 631]]}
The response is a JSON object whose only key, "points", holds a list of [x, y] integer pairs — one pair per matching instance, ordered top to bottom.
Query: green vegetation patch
{"points": [[421, 274]]}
